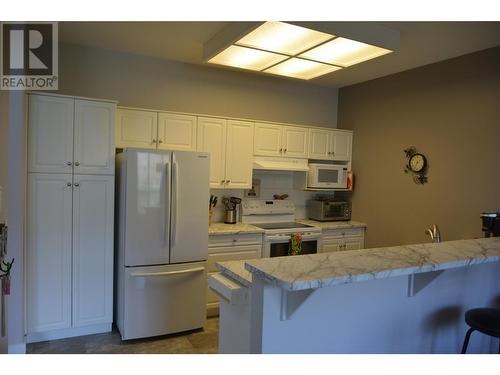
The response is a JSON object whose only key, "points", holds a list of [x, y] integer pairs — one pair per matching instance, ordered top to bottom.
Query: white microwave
{"points": [[327, 176]]}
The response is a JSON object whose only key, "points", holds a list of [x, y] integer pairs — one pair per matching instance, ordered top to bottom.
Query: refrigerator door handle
{"points": [[175, 198], [167, 204], [167, 273]]}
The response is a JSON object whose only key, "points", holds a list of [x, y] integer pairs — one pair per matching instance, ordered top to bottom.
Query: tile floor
{"points": [[202, 341]]}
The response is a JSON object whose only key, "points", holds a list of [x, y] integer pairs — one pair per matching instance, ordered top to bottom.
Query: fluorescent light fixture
{"points": [[284, 38], [344, 52], [246, 58], [300, 68]]}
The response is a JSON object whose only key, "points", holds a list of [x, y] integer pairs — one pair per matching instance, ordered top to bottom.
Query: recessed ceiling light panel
{"points": [[284, 38], [344, 52], [246, 58], [300, 68]]}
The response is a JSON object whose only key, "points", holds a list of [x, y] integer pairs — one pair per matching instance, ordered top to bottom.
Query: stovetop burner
{"points": [[292, 225]]}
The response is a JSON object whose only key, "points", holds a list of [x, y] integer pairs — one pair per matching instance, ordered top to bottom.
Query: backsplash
{"points": [[271, 182]]}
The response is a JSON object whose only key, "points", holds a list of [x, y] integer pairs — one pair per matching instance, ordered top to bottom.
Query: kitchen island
{"points": [[402, 299]]}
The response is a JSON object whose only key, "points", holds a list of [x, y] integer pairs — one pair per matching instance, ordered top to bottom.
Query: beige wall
{"points": [[159, 84], [451, 112], [4, 127]]}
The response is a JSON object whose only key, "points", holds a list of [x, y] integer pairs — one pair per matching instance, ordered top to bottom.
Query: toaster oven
{"points": [[328, 210]]}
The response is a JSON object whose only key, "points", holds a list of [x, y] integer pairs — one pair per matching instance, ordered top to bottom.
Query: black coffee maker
{"points": [[491, 224]]}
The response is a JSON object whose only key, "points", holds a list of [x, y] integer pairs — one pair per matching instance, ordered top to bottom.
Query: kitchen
{"points": [[377, 162]]}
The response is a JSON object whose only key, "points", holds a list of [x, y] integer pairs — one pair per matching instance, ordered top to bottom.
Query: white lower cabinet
{"points": [[343, 239], [224, 247], [92, 249], [49, 252], [69, 255]]}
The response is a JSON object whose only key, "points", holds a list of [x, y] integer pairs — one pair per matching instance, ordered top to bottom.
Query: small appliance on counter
{"points": [[232, 209], [328, 209], [491, 224]]}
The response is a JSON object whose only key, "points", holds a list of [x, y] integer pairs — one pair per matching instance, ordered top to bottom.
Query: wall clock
{"points": [[417, 165]]}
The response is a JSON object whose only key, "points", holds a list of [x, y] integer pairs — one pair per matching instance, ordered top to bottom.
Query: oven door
{"points": [[277, 245]]}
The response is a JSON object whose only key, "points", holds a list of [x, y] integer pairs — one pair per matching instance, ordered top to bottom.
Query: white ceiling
{"points": [[422, 43]]}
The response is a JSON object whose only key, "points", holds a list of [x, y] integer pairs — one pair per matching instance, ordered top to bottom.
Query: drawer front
{"points": [[336, 233], [216, 241], [341, 243], [235, 253]]}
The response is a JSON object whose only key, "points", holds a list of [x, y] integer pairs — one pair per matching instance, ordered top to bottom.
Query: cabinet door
{"points": [[136, 128], [176, 132], [50, 134], [212, 139], [268, 139], [295, 141], [320, 144], [341, 145], [94, 150], [239, 154], [93, 198], [354, 243], [332, 244], [48, 252]]}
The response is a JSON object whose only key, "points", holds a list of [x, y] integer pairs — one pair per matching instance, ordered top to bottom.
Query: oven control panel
{"points": [[269, 207]]}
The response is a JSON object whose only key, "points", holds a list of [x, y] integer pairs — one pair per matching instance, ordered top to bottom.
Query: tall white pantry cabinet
{"points": [[70, 210]]}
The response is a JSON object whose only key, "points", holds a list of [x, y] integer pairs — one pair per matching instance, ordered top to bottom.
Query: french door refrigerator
{"points": [[162, 241]]}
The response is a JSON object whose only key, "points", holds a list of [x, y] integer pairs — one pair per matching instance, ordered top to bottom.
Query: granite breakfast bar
{"points": [[402, 299]]}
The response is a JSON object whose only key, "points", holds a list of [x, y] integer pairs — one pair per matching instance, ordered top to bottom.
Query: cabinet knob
{"points": [[153, 141], [160, 141], [281, 150], [284, 150], [69, 163], [77, 163], [223, 181], [228, 181], [68, 183], [77, 184]]}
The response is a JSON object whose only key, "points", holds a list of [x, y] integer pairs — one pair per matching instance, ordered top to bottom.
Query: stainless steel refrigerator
{"points": [[162, 241]]}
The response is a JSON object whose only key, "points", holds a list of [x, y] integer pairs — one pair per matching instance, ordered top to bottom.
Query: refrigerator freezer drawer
{"points": [[160, 300]]}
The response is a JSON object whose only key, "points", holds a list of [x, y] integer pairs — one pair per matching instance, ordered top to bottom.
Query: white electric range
{"points": [[277, 218]]}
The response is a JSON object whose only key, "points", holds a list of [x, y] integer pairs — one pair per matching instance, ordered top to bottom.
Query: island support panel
{"points": [[377, 316]]}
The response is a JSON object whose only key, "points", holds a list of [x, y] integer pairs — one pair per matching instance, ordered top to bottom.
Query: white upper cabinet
{"points": [[136, 128], [176, 132], [50, 134], [68, 135], [94, 137], [212, 139], [268, 139], [280, 140], [295, 141], [230, 144], [320, 144], [330, 144], [342, 145], [239, 154], [92, 250], [48, 258]]}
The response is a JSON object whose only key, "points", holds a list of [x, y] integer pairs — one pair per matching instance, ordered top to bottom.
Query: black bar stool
{"points": [[485, 320]]}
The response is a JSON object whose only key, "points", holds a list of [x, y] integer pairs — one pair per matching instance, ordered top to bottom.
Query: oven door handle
{"points": [[307, 237]]}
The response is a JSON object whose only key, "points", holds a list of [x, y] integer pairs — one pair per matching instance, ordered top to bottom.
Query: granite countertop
{"points": [[333, 224], [221, 228], [235, 269], [328, 269]]}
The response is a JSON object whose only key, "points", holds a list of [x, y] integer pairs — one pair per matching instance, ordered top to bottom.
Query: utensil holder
{"points": [[230, 217]]}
